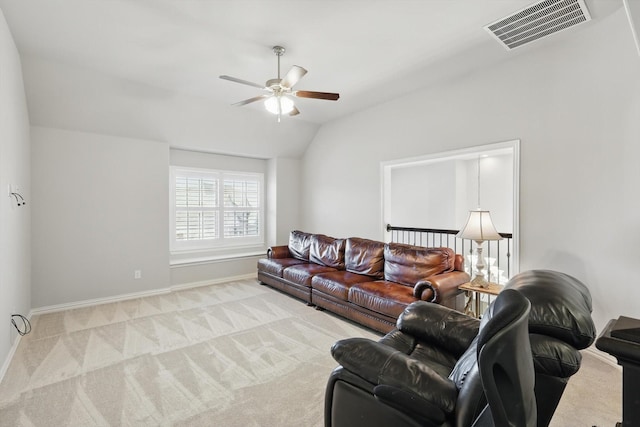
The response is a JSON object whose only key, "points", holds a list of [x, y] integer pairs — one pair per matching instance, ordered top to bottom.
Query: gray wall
{"points": [[575, 106], [284, 209], [100, 211], [103, 212], [15, 262]]}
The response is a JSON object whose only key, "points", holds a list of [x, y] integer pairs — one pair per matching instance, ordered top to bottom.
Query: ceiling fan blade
{"points": [[293, 76], [244, 82], [317, 95], [250, 100], [294, 112]]}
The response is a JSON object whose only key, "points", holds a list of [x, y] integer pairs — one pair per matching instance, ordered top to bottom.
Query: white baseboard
{"points": [[124, 297], [604, 357]]}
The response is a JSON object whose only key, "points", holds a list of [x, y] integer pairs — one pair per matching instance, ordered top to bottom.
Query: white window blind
{"points": [[241, 207], [196, 208], [212, 209]]}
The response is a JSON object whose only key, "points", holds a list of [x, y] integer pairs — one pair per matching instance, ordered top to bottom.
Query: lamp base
{"points": [[479, 281]]}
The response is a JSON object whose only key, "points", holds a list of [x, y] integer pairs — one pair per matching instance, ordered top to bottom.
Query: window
{"points": [[215, 209]]}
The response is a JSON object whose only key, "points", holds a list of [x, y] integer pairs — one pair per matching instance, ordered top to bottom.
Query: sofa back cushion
{"points": [[299, 244], [327, 251], [363, 256], [408, 264]]}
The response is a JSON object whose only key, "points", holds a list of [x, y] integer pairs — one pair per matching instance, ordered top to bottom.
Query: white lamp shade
{"points": [[285, 104], [479, 227]]}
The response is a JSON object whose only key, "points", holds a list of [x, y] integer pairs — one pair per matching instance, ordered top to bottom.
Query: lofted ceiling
{"points": [[172, 51]]}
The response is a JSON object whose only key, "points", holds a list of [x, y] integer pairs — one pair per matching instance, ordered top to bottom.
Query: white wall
{"points": [[573, 102], [496, 190], [440, 194], [424, 195], [100, 211], [15, 222]]}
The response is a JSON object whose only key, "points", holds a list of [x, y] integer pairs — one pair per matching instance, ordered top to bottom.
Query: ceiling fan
{"points": [[279, 99]]}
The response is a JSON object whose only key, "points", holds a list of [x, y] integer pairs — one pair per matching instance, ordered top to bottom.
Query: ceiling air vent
{"points": [[537, 21]]}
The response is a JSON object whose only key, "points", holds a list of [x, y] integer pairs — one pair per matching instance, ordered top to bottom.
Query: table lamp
{"points": [[479, 228]]}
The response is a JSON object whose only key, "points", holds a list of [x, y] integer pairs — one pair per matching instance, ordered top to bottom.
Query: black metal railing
{"points": [[497, 253]]}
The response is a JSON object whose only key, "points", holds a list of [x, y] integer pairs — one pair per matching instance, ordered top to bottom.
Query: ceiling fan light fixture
{"points": [[279, 99], [279, 104]]}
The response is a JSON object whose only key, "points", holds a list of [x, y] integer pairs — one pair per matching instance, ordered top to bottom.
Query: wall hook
{"points": [[19, 199]]}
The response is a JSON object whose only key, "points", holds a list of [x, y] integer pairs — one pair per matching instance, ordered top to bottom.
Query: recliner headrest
{"points": [[560, 306]]}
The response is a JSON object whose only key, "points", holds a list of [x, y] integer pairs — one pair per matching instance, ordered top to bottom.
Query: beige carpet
{"points": [[235, 354]]}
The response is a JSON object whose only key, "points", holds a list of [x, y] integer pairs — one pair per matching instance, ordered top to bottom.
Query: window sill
{"points": [[210, 259]]}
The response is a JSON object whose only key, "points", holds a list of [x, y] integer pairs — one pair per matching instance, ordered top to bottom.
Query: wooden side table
{"points": [[473, 294]]}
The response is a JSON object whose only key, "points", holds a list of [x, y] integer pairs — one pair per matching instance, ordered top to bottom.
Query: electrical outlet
{"points": [[137, 274]]}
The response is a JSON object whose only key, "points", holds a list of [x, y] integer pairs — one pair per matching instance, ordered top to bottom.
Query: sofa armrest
{"points": [[275, 252], [440, 287], [382, 365]]}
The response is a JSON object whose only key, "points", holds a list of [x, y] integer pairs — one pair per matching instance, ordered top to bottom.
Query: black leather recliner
{"points": [[506, 364], [425, 372]]}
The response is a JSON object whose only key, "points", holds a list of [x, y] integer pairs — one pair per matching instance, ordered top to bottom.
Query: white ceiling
{"points": [[369, 51]]}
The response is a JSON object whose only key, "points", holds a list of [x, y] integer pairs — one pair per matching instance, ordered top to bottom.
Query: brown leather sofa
{"points": [[367, 281]]}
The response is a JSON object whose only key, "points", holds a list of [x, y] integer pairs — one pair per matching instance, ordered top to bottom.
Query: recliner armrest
{"points": [[275, 252], [440, 287], [439, 326], [554, 357], [383, 365], [408, 402]]}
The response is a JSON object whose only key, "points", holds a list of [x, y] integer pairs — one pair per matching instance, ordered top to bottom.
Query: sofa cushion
{"points": [[299, 244], [325, 250], [363, 256], [408, 264], [275, 266], [303, 273], [337, 283], [383, 297]]}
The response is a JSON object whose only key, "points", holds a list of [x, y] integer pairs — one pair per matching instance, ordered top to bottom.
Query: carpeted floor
{"points": [[234, 354]]}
